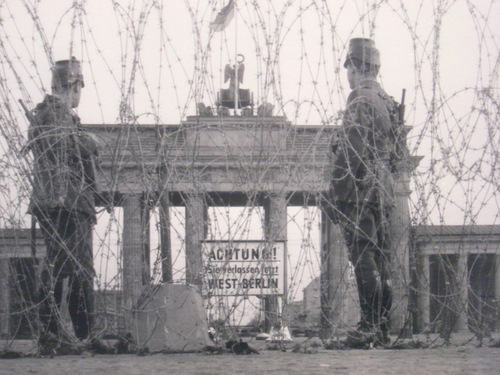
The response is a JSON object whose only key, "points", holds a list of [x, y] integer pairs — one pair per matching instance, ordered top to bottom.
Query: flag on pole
{"points": [[223, 17]]}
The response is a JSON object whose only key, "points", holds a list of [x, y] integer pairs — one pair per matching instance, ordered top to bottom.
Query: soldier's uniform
{"points": [[362, 189], [63, 204]]}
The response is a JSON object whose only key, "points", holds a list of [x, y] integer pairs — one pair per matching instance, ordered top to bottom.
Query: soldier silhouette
{"points": [[361, 190], [63, 203]]}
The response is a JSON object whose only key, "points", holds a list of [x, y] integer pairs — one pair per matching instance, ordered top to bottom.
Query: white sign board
{"points": [[243, 268]]}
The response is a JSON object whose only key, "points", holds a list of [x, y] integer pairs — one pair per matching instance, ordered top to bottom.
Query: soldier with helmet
{"points": [[361, 190], [62, 202]]}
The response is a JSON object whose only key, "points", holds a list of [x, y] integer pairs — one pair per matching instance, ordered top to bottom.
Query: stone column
{"points": [[275, 212], [196, 228], [134, 238], [165, 241], [146, 243], [400, 262], [334, 275], [497, 286], [462, 287], [424, 292], [4, 295]]}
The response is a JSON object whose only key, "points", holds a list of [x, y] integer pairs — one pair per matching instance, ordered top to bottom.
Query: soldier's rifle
{"points": [[401, 109], [27, 112], [400, 131], [25, 149]]}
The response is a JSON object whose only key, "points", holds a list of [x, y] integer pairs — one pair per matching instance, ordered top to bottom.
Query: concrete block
{"points": [[172, 318]]}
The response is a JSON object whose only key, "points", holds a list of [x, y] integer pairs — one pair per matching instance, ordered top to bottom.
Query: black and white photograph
{"points": [[249, 186]]}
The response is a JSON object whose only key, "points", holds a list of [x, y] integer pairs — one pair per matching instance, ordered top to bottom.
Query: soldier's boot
{"points": [[362, 338], [382, 339], [47, 344], [99, 347]]}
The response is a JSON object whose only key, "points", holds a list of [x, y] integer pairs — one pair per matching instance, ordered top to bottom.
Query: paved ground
{"points": [[462, 358]]}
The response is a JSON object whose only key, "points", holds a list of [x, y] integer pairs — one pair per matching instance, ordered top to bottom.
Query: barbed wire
{"points": [[150, 63]]}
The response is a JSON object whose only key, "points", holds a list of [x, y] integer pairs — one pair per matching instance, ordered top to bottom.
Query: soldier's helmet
{"points": [[364, 50], [66, 72]]}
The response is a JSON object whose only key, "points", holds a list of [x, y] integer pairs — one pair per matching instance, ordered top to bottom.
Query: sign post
{"points": [[243, 268]]}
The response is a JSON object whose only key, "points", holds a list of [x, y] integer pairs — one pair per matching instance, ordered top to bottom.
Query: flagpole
{"points": [[237, 85]]}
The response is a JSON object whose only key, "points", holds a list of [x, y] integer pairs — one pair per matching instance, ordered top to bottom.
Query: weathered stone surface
{"points": [[172, 319]]}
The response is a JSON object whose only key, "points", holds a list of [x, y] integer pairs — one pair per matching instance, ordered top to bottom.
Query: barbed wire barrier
{"points": [[177, 167]]}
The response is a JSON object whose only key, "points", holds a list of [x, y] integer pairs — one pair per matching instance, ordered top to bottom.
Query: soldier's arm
{"points": [[50, 133], [87, 145], [352, 149]]}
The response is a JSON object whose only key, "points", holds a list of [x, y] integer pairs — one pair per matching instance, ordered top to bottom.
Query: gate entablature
{"points": [[215, 154]]}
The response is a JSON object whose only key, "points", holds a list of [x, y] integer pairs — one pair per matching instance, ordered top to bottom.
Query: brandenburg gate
{"points": [[229, 161]]}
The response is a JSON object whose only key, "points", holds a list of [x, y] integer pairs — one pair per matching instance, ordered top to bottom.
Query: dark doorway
{"points": [[22, 297], [482, 306], [444, 309]]}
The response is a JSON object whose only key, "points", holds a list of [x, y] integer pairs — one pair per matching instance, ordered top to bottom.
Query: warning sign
{"points": [[235, 268]]}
